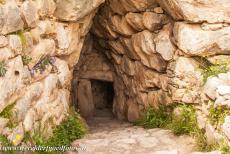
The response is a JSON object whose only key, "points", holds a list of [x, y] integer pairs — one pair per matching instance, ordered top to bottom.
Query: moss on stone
{"points": [[22, 38], [26, 59], [2, 68], [7, 112]]}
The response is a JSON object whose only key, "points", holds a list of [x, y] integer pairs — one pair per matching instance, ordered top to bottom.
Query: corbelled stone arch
{"points": [[136, 40]]}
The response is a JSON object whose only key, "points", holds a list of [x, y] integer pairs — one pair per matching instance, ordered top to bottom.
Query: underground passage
{"points": [[63, 61], [94, 84], [103, 94], [98, 95]]}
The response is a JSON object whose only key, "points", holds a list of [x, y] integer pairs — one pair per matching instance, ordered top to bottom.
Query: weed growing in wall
{"points": [[22, 38], [26, 59], [43, 63], [2, 68], [214, 70], [7, 112], [217, 114], [155, 118], [183, 123], [70, 129], [4, 142], [220, 146]]}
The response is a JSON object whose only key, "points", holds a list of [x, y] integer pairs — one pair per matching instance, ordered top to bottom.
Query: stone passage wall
{"points": [[137, 35], [40, 42], [156, 48], [159, 48], [93, 65]]}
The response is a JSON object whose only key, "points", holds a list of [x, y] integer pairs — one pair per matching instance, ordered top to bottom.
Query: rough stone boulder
{"points": [[123, 6], [73, 10], [211, 11], [10, 20], [193, 40], [185, 80], [13, 83]]}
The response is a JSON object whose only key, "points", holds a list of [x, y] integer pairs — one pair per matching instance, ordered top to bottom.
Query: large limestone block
{"points": [[123, 6], [46, 7], [73, 10], [212, 11], [30, 13], [10, 20], [135, 20], [153, 21], [120, 25], [102, 27], [62, 37], [193, 40], [3, 41], [127, 43], [143, 43], [163, 43], [15, 44], [144, 46], [117, 47], [6, 53], [73, 58], [128, 66], [186, 69], [64, 74], [185, 80], [12, 84], [158, 97], [85, 98], [43, 102], [23, 105], [133, 112]]}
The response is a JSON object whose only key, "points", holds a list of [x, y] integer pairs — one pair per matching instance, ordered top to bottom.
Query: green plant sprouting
{"points": [[22, 38], [26, 59], [44, 61], [2, 68], [214, 70], [7, 112], [217, 114], [155, 117], [183, 123], [70, 129], [6, 143], [221, 146]]}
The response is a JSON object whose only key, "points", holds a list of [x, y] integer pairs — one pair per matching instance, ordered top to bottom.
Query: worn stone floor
{"points": [[110, 136]]}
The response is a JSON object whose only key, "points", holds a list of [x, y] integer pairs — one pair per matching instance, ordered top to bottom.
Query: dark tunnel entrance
{"points": [[103, 95]]}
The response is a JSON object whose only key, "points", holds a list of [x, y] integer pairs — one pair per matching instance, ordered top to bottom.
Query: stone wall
{"points": [[137, 35], [40, 42], [159, 48], [156, 50], [93, 65]]}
